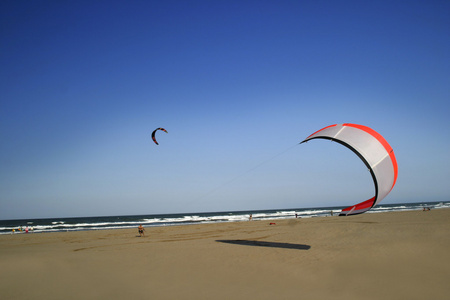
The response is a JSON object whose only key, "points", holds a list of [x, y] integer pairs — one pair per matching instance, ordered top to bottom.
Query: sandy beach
{"points": [[395, 255]]}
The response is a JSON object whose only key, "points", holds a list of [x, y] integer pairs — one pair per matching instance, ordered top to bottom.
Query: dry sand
{"points": [[396, 255]]}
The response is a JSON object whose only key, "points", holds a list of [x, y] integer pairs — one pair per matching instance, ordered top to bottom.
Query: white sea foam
{"points": [[99, 223]]}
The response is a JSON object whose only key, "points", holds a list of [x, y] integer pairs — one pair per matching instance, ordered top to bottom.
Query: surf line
{"points": [[243, 174]]}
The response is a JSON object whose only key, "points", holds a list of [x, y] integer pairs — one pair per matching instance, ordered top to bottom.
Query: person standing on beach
{"points": [[141, 230]]}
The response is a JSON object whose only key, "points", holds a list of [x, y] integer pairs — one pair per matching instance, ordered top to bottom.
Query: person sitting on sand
{"points": [[141, 230]]}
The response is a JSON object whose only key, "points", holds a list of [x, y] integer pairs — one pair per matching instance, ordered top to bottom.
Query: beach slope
{"points": [[395, 255]]}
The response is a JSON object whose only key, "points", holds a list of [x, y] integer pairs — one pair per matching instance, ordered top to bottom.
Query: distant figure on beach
{"points": [[426, 209], [331, 213], [296, 216], [250, 218], [26, 229], [141, 230]]}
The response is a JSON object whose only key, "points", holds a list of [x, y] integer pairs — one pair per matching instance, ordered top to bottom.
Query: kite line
{"points": [[243, 174]]}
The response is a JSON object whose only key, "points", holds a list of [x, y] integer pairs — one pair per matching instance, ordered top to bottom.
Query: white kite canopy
{"points": [[373, 150]]}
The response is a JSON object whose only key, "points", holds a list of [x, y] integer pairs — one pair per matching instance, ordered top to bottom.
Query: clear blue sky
{"points": [[237, 84]]}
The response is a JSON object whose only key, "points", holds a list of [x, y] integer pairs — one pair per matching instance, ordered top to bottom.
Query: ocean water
{"points": [[117, 222]]}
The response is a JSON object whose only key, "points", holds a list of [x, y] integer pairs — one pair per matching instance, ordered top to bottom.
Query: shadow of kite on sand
{"points": [[266, 244]]}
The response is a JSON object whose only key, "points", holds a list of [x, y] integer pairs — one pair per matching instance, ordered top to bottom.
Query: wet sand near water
{"points": [[395, 255]]}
